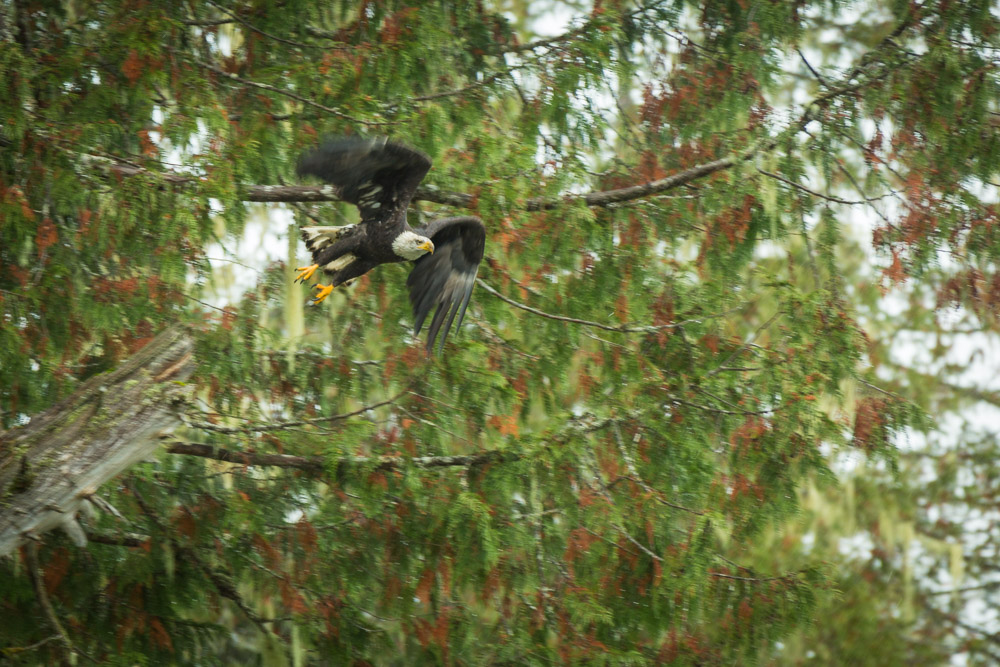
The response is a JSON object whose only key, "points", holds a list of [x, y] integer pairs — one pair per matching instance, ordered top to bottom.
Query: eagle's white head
{"points": [[410, 245]]}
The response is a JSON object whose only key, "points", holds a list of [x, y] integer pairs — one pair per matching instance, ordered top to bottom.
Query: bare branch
{"points": [[208, 23], [816, 74], [290, 193], [608, 197], [582, 424], [205, 426], [317, 464], [123, 540]]}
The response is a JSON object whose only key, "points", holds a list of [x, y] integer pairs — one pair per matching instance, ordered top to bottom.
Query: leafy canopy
{"points": [[666, 343]]}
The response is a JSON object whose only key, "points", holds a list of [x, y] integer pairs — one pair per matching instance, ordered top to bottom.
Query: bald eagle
{"points": [[379, 177]]}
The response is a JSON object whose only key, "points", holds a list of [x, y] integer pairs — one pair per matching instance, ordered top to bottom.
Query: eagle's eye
{"points": [[427, 245]]}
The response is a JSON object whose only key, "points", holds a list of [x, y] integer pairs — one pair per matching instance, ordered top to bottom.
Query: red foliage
{"points": [[395, 26], [133, 66], [148, 145], [649, 168], [735, 222], [85, 228], [45, 235], [632, 236], [19, 274], [974, 289], [621, 306], [228, 318], [711, 341], [868, 421], [505, 424], [749, 433], [607, 459], [379, 480], [743, 486], [185, 524], [305, 535], [578, 542], [267, 550], [56, 569], [444, 572], [426, 583], [491, 583], [291, 598], [328, 608], [745, 611], [159, 635]]}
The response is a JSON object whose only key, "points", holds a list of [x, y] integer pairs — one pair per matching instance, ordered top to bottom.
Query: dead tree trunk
{"points": [[49, 467]]}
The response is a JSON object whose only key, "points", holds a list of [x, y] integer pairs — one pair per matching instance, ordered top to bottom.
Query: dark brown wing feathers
{"points": [[376, 175], [445, 279]]}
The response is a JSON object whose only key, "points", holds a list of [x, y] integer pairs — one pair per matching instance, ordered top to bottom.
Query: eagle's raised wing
{"points": [[377, 175], [445, 279]]}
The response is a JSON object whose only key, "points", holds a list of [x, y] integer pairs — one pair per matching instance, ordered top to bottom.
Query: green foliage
{"points": [[635, 427]]}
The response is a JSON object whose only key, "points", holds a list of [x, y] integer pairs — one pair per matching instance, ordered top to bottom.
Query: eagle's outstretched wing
{"points": [[377, 175], [446, 278]]}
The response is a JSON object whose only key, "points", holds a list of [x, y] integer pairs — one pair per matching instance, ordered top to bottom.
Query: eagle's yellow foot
{"points": [[305, 272], [324, 291]]}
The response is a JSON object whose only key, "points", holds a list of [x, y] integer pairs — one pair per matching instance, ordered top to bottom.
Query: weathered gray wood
{"points": [[49, 467]]}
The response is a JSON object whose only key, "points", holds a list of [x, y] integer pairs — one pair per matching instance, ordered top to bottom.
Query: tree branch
{"points": [[317, 193], [836, 200], [623, 328], [205, 426], [317, 464], [51, 466], [123, 540], [43, 599]]}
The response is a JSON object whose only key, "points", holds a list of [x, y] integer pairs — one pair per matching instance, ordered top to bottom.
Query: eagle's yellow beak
{"points": [[428, 246]]}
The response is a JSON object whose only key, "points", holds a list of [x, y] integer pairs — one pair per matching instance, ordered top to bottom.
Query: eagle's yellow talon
{"points": [[305, 272], [324, 291]]}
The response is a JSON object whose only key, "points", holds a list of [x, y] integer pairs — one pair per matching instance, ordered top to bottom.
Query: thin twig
{"points": [[257, 30], [816, 74], [465, 89], [286, 93], [837, 200], [623, 328], [743, 347], [720, 411], [302, 422], [319, 463], [637, 478], [219, 581], [43, 598], [15, 650]]}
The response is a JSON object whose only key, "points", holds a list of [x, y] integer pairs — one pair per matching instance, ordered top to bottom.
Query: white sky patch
{"points": [[237, 263]]}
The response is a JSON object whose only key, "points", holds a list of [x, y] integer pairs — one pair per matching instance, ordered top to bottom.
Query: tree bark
{"points": [[49, 467]]}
